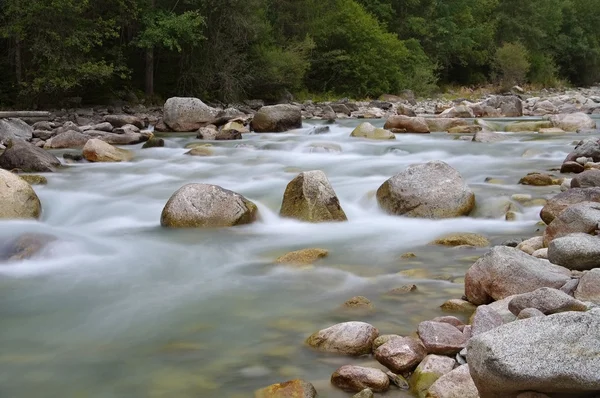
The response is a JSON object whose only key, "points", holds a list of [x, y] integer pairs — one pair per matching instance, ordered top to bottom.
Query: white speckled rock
{"points": [[577, 251], [350, 338], [455, 384]]}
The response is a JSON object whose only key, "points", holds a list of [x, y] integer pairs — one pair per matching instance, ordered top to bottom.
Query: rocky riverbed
{"points": [[452, 255]]}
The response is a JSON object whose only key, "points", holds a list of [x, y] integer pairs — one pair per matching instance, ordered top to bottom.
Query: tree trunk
{"points": [[18, 66], [150, 72]]}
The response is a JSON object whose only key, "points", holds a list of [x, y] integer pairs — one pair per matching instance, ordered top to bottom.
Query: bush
{"points": [[512, 64], [543, 71]]}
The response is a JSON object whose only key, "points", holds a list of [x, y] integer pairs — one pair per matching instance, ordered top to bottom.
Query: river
{"points": [[120, 307]]}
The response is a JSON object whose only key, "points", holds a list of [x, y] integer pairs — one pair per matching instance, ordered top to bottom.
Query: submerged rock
{"points": [[277, 118], [154, 143], [34, 179], [17, 199], [463, 239], [25, 246], [302, 257], [357, 378], [290, 389]]}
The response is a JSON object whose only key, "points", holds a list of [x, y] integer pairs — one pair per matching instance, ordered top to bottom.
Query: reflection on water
{"points": [[119, 307]]}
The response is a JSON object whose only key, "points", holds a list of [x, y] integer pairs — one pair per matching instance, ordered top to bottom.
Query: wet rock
{"points": [[187, 114], [277, 118], [122, 120], [573, 122], [406, 124], [439, 124], [518, 127], [13, 129], [471, 129], [367, 130], [552, 131], [207, 133], [228, 135], [488, 136], [129, 138], [68, 139], [154, 143], [588, 148], [99, 151], [200, 151], [71, 157], [28, 158], [571, 167], [34, 179], [587, 179], [540, 180], [428, 190], [310, 197], [17, 199], [560, 202], [205, 205], [582, 217], [463, 239], [530, 245], [25, 246], [577, 251], [541, 253], [302, 257], [504, 271], [588, 288], [548, 301], [358, 303], [458, 305], [529, 313], [485, 319], [451, 320], [349, 338], [384, 338], [441, 338], [552, 354], [401, 355], [429, 370], [357, 378], [398, 380], [455, 384], [289, 389], [366, 393]]}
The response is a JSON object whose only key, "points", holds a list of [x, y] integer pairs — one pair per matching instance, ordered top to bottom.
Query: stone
{"points": [[511, 105], [341, 108], [405, 110], [460, 111], [187, 114], [277, 118], [121, 120], [573, 121], [406, 124], [439, 124], [43, 125], [108, 127], [518, 127], [12, 129], [126, 129], [470, 129], [367, 130], [552, 131], [207, 133], [43, 135], [228, 135], [488, 136], [129, 138], [68, 139], [154, 143], [588, 148], [99, 151], [200, 151], [28, 158], [571, 167], [34, 179], [587, 179], [539, 180], [428, 190], [309, 197], [17, 199], [560, 202], [205, 206], [582, 217], [463, 239], [530, 245], [25, 246], [578, 251], [541, 253], [302, 257], [505, 271], [588, 289], [548, 301], [358, 303], [458, 305], [529, 313], [485, 319], [451, 320], [348, 338], [441, 338], [382, 339], [552, 354], [401, 355], [429, 370], [357, 378], [398, 380], [455, 384], [290, 389], [366, 393]]}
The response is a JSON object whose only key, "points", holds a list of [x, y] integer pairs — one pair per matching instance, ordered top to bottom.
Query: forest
{"points": [[70, 52]]}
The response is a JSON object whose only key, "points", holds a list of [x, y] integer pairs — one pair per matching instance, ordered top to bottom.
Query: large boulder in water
{"points": [[187, 114], [277, 118], [573, 121], [406, 124], [11, 129], [367, 130], [68, 139], [96, 150], [27, 157], [428, 190], [310, 197], [17, 198], [204, 206], [349, 338], [557, 354], [356, 378]]}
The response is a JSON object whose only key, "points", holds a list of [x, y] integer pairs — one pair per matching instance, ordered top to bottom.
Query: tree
{"points": [[511, 61]]}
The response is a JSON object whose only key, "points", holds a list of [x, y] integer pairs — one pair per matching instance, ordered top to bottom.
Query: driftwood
{"points": [[24, 114]]}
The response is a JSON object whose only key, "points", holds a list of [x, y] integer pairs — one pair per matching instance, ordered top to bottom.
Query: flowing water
{"points": [[119, 307]]}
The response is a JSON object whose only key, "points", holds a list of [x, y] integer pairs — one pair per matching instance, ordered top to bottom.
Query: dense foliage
{"points": [[63, 52]]}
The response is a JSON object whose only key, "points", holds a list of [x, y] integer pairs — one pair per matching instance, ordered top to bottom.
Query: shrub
{"points": [[512, 64]]}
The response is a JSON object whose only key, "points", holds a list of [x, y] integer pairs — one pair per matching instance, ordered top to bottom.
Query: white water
{"points": [[119, 307]]}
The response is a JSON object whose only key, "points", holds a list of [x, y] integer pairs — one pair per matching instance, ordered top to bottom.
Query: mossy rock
{"points": [[518, 127], [34, 179], [463, 239], [303, 257]]}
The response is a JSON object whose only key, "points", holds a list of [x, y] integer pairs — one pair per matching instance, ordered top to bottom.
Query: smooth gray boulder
{"points": [[187, 114], [277, 118], [120, 121], [573, 121], [11, 129], [68, 139], [26, 157], [587, 179], [428, 190], [558, 203], [582, 217], [577, 251], [505, 271], [588, 288], [548, 301], [485, 319], [554, 354], [455, 384]]}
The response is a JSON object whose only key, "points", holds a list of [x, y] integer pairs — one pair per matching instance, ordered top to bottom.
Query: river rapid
{"points": [[120, 307]]}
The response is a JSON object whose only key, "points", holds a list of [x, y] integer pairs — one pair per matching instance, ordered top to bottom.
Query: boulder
{"points": [[510, 105], [405, 110], [460, 111], [187, 114], [277, 118], [120, 121], [573, 121], [406, 124], [439, 124], [108, 127], [518, 127], [11, 129], [126, 129], [471, 129], [367, 130], [207, 133], [43, 135], [488, 136], [129, 138], [68, 139], [154, 143], [588, 148], [99, 151], [27, 157], [34, 179], [587, 179], [540, 180], [428, 190], [310, 197], [17, 198], [560, 202], [205, 205], [582, 217], [463, 239], [530, 245], [25, 246], [578, 251], [302, 257], [505, 271], [588, 289], [546, 300], [458, 305], [529, 313], [485, 319], [348, 338], [441, 338], [552, 354], [401, 355], [429, 370], [356, 378], [455, 384], [290, 389]]}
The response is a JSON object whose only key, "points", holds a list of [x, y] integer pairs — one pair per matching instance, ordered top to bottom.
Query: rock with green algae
{"points": [[518, 127], [34, 179], [540, 180], [310, 197], [460, 239], [302, 257], [358, 303], [458, 305], [429, 370], [289, 389], [366, 393]]}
